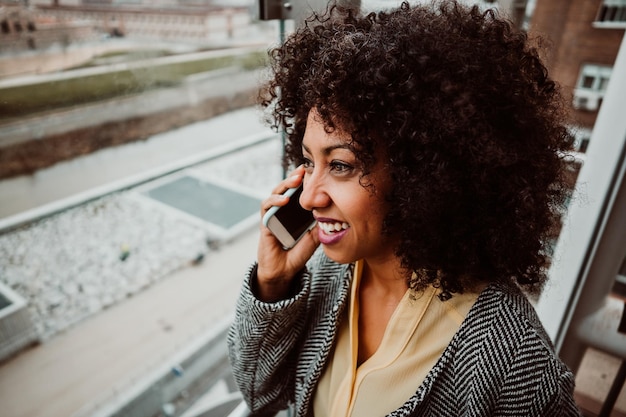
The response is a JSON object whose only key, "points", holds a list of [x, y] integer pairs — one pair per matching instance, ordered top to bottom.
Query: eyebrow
{"points": [[329, 149]]}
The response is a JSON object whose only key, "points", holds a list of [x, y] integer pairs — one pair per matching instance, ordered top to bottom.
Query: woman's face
{"points": [[349, 215]]}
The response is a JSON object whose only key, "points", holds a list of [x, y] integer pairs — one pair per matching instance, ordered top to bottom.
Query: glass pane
{"points": [[616, 3], [610, 14], [587, 81], [604, 81], [583, 145]]}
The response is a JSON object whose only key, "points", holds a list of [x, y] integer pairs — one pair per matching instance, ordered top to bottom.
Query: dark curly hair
{"points": [[459, 106]]}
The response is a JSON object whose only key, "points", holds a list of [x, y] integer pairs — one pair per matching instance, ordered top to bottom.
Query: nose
{"points": [[314, 192]]}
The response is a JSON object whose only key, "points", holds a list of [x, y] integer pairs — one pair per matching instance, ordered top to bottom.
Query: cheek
{"points": [[377, 200], [360, 207], [372, 211]]}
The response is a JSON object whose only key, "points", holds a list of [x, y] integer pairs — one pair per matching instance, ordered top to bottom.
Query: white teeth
{"points": [[333, 227]]}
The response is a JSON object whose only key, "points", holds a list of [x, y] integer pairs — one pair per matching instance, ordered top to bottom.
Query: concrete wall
{"points": [[124, 120], [16, 328]]}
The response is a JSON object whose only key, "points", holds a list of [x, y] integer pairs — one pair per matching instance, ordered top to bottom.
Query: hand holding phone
{"points": [[289, 223], [286, 224]]}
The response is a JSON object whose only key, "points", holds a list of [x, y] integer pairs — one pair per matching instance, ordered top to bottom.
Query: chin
{"points": [[338, 256]]}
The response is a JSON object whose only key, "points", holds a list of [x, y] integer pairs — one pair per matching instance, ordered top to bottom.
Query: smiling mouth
{"points": [[333, 227]]}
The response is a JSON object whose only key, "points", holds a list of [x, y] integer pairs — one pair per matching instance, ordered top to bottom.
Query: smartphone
{"points": [[289, 222]]}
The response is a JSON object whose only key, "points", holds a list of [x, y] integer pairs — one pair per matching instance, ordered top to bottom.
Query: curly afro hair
{"points": [[471, 129]]}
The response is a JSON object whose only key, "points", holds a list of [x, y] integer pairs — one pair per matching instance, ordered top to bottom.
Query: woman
{"points": [[428, 143]]}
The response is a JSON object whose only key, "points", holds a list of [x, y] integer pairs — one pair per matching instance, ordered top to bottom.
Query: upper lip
{"points": [[327, 220]]}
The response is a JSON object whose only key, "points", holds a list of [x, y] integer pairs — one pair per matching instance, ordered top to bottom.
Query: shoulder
{"points": [[506, 306], [504, 317], [502, 332], [503, 347]]}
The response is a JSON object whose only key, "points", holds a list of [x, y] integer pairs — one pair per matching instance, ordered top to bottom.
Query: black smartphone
{"points": [[289, 222]]}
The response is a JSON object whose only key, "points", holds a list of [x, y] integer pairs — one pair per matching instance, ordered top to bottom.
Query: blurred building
{"points": [[166, 20], [38, 24], [22, 28], [584, 37]]}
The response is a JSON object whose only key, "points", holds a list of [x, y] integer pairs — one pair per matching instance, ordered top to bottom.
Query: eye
{"points": [[308, 165], [340, 167]]}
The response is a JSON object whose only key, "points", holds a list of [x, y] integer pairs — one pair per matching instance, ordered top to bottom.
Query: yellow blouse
{"points": [[416, 335]]}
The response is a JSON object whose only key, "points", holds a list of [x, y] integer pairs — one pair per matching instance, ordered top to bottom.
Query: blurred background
{"points": [[132, 164]]}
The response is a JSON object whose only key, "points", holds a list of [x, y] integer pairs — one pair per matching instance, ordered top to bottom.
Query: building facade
{"points": [[182, 22], [41, 24], [584, 37]]}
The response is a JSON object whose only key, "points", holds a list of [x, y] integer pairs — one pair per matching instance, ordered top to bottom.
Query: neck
{"points": [[387, 276]]}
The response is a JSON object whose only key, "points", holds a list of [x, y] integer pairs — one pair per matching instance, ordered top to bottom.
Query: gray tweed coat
{"points": [[499, 363]]}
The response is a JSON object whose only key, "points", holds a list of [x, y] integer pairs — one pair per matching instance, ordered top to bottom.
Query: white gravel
{"points": [[78, 262]]}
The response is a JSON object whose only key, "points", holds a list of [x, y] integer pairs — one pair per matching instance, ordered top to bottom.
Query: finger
{"points": [[299, 170], [292, 181], [278, 197], [274, 200]]}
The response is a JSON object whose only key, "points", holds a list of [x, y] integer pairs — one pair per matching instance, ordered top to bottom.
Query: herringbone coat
{"points": [[499, 363]]}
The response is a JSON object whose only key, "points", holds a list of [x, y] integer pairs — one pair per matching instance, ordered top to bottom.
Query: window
{"points": [[612, 12], [591, 86], [580, 138]]}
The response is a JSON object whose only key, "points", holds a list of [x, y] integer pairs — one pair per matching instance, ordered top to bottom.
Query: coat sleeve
{"points": [[263, 346]]}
